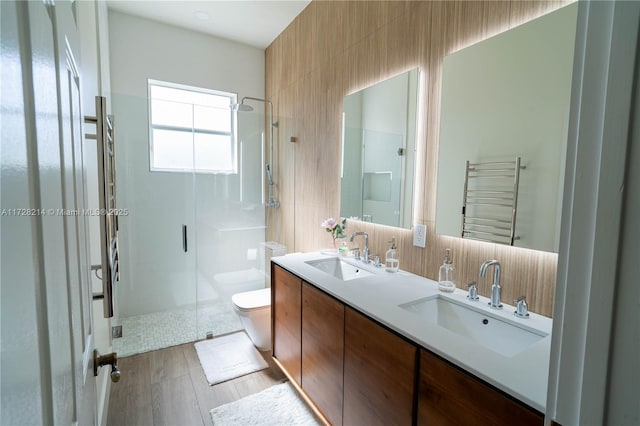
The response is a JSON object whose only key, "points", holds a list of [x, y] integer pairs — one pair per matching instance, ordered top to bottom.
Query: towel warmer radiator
{"points": [[104, 137], [490, 201]]}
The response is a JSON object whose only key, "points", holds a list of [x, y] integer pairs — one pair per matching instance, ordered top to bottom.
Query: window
{"points": [[191, 129]]}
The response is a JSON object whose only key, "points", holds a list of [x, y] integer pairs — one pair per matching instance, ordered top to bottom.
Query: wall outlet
{"points": [[419, 235]]}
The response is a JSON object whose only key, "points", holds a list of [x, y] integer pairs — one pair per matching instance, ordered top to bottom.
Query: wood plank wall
{"points": [[334, 48]]}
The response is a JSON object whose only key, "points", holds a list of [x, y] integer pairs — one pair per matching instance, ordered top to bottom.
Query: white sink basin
{"points": [[339, 269], [496, 334]]}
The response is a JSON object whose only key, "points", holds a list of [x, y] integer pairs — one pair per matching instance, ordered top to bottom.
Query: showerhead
{"points": [[241, 107]]}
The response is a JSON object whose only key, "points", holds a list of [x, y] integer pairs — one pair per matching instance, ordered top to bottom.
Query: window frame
{"points": [[233, 98]]}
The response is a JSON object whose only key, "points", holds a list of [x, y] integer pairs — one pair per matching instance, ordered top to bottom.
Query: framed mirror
{"points": [[503, 131], [378, 152]]}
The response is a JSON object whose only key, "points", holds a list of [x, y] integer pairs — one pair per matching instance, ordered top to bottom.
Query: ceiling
{"points": [[253, 22]]}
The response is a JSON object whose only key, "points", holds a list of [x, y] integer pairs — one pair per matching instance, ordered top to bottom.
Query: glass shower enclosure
{"points": [[192, 238]]}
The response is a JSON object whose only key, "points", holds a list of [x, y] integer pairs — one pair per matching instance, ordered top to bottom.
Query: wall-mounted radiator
{"points": [[104, 137], [490, 201]]}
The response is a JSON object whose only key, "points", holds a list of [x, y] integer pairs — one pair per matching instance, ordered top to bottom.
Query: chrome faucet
{"points": [[365, 250], [495, 288], [473, 291]]}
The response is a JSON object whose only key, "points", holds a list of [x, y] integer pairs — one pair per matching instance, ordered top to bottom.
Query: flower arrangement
{"points": [[336, 228]]}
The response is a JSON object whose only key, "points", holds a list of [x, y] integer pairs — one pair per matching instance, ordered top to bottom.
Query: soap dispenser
{"points": [[392, 263], [446, 277]]}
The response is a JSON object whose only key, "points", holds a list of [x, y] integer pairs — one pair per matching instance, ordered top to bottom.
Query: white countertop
{"points": [[523, 375]]}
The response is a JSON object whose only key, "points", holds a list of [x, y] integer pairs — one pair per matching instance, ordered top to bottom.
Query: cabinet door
{"points": [[286, 304], [323, 351], [379, 374], [449, 396]]}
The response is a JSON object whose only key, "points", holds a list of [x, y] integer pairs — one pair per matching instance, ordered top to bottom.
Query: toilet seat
{"points": [[252, 300]]}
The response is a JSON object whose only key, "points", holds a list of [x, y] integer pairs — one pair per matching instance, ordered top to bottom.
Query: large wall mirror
{"points": [[503, 132], [378, 152]]}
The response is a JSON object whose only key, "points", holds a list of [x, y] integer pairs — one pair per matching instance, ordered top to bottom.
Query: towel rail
{"points": [[104, 137], [488, 191], [485, 198], [489, 219], [480, 225], [496, 234]]}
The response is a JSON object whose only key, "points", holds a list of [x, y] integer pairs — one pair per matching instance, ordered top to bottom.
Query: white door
{"points": [[46, 341]]}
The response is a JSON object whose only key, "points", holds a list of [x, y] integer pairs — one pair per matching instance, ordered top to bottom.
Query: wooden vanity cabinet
{"points": [[286, 317], [308, 340], [323, 351], [357, 372], [379, 374], [450, 396]]}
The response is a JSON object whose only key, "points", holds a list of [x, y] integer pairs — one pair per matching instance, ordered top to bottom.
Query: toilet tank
{"points": [[269, 249]]}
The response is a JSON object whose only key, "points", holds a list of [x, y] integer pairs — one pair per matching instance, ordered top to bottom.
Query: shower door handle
{"points": [[184, 238]]}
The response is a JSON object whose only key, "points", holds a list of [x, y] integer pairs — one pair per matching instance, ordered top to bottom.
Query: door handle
{"points": [[184, 238], [107, 359]]}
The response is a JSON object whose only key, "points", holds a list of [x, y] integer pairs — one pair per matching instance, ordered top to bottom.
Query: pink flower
{"points": [[329, 223], [334, 227]]}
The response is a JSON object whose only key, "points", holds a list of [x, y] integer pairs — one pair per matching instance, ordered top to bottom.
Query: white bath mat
{"points": [[228, 357], [275, 406]]}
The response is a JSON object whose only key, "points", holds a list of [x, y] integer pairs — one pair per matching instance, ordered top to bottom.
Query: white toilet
{"points": [[254, 309]]}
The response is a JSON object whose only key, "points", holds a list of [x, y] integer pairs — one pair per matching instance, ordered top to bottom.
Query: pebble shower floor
{"points": [[144, 333]]}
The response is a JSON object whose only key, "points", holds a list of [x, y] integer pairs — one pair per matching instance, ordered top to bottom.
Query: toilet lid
{"points": [[252, 299]]}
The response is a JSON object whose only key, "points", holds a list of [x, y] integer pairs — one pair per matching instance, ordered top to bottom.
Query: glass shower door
{"points": [[230, 230], [192, 238], [156, 295]]}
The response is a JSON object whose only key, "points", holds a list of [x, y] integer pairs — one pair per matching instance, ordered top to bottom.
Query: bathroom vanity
{"points": [[369, 347]]}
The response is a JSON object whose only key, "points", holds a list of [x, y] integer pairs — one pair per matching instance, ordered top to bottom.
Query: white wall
{"points": [[142, 49], [505, 97], [156, 274]]}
